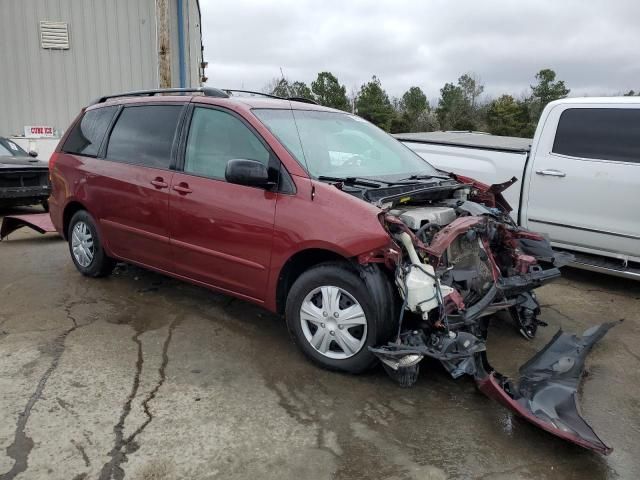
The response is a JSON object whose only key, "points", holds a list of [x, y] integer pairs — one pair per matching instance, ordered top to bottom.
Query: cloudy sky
{"points": [[594, 46]]}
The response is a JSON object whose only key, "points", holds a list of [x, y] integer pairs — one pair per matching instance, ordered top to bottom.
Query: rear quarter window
{"points": [[599, 133], [87, 135], [144, 135]]}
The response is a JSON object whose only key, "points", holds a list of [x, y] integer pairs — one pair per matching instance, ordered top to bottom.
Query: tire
{"points": [[45, 205], [85, 246], [342, 341]]}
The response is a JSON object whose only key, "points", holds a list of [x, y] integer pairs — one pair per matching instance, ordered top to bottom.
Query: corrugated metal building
{"points": [[57, 55]]}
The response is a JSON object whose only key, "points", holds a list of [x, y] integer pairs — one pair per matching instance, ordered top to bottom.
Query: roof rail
{"points": [[234, 90], [206, 91], [292, 99], [302, 100]]}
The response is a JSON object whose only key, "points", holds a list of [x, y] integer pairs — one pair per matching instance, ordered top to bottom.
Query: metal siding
{"points": [[192, 41], [195, 41], [113, 49]]}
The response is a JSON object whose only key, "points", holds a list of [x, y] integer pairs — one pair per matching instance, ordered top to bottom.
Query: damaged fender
{"points": [[40, 222], [546, 394]]}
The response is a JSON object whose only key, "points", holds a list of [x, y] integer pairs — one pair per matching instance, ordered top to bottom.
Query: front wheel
{"points": [[86, 247], [333, 318]]}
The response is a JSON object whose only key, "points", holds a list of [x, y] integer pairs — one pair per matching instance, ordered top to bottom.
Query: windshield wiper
{"points": [[424, 177], [362, 181]]}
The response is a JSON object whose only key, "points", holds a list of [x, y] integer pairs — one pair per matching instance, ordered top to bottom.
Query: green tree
{"points": [[278, 87], [281, 87], [471, 88], [300, 90], [546, 90], [329, 92], [414, 102], [374, 105], [413, 106], [453, 110], [412, 112], [507, 116], [400, 122], [426, 122]]}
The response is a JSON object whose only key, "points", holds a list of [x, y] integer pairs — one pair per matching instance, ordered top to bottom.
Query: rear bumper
{"points": [[9, 194]]}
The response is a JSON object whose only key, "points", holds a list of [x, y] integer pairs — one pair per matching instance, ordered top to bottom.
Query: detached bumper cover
{"points": [[40, 222], [546, 394]]}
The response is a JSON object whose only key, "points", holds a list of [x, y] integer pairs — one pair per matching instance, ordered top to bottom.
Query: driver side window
{"points": [[215, 137]]}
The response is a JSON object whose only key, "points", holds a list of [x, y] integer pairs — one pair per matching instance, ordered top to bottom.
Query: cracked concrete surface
{"points": [[139, 376]]}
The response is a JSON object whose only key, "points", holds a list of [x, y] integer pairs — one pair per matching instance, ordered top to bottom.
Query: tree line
{"points": [[459, 107]]}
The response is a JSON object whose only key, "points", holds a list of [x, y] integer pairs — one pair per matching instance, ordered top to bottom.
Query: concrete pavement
{"points": [[139, 376]]}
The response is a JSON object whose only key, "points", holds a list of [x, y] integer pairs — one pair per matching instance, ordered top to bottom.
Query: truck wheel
{"points": [[45, 205], [86, 248], [333, 318]]}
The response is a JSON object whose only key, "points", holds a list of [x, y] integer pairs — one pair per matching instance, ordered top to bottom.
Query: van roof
{"points": [[217, 96], [243, 102]]}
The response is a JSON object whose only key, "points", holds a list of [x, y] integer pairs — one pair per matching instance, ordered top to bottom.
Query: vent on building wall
{"points": [[54, 35]]}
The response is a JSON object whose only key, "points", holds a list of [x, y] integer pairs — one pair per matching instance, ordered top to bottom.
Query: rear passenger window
{"points": [[599, 133], [87, 135], [143, 135], [215, 137]]}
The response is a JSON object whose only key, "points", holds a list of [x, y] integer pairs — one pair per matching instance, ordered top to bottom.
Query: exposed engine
{"points": [[458, 258]]}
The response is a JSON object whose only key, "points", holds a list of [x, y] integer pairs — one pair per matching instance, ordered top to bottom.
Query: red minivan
{"points": [[282, 202], [368, 251]]}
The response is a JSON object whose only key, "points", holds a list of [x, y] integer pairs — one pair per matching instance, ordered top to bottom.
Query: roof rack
{"points": [[234, 90], [206, 91], [292, 99], [302, 100]]}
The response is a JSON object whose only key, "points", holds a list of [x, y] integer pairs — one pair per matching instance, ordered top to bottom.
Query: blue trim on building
{"points": [[181, 59]]}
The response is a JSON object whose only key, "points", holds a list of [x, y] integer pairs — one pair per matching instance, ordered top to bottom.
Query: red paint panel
{"points": [[40, 222], [221, 233], [491, 388]]}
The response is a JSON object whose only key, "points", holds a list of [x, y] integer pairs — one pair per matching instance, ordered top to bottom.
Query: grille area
{"points": [[23, 179]]}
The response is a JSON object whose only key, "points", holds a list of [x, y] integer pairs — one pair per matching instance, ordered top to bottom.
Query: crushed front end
{"points": [[458, 257]]}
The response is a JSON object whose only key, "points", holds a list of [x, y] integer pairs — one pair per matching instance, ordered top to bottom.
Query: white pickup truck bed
{"points": [[487, 158], [578, 178]]}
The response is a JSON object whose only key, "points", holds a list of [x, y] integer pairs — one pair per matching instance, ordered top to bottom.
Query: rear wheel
{"points": [[86, 247], [334, 319]]}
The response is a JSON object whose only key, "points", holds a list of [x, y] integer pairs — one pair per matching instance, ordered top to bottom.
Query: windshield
{"points": [[341, 145], [10, 149]]}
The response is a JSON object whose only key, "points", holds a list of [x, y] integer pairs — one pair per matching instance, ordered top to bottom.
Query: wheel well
{"points": [[69, 211], [298, 264]]}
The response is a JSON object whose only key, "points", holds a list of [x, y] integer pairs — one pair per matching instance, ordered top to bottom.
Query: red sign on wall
{"points": [[38, 131]]}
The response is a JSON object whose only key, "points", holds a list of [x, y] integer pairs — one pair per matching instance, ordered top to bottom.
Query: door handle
{"points": [[551, 173], [159, 182], [182, 188]]}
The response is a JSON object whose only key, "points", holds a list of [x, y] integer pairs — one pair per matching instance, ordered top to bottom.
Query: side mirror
{"points": [[33, 153], [247, 172]]}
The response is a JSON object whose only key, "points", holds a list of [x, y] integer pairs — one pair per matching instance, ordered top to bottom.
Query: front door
{"points": [[131, 185], [583, 188], [221, 233]]}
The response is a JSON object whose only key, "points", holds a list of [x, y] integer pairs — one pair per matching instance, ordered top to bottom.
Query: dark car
{"points": [[24, 180], [369, 252]]}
